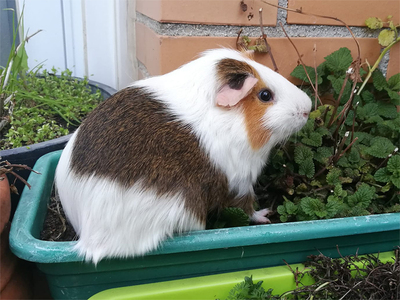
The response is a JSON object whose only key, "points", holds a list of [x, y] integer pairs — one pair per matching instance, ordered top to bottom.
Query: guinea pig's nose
{"points": [[306, 114]]}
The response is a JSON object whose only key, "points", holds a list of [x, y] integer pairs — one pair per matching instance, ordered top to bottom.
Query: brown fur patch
{"points": [[234, 73], [254, 111], [133, 138]]}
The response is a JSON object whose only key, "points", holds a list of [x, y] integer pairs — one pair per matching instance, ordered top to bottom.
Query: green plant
{"points": [[36, 106], [345, 161], [247, 290]]}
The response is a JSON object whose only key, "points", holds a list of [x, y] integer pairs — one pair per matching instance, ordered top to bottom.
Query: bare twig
{"points": [[264, 37], [301, 61], [316, 75]]}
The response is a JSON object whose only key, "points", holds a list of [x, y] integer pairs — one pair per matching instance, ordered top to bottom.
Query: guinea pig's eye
{"points": [[265, 95]]}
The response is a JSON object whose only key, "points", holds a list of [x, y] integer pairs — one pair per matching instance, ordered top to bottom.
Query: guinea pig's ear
{"points": [[237, 81]]}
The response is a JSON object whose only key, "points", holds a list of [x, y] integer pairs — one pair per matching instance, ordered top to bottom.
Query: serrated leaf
{"points": [[374, 23], [386, 36], [339, 60], [299, 73], [379, 80], [394, 82], [337, 83], [394, 96], [367, 97], [388, 111], [374, 119], [323, 131], [314, 139], [380, 147], [302, 153], [323, 153], [354, 156], [393, 165], [307, 168], [333, 177], [395, 181], [362, 196], [312, 206], [333, 206], [291, 208], [281, 210], [358, 210], [234, 216], [283, 218]]}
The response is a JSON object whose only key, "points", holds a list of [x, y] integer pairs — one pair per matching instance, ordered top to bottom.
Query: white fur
{"points": [[112, 221]]}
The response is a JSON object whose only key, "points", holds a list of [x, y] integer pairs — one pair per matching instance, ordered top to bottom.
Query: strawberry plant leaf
{"points": [[374, 23], [386, 37], [339, 60], [299, 73], [379, 80], [394, 82], [394, 96], [367, 97], [388, 111], [314, 139], [381, 147], [302, 153], [323, 153], [393, 164], [307, 168], [333, 177], [313, 207]]}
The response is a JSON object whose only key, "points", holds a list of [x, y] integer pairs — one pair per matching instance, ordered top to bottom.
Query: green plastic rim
{"points": [[30, 215]]}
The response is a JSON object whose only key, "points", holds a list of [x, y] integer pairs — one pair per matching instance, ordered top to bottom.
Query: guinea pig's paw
{"points": [[260, 216]]}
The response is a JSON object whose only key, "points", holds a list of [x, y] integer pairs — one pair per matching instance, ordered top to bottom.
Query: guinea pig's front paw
{"points": [[260, 216]]}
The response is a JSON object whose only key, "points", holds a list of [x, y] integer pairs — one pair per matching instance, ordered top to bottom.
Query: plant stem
{"points": [[371, 70]]}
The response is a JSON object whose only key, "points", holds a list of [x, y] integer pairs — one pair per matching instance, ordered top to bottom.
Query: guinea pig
{"points": [[158, 156]]}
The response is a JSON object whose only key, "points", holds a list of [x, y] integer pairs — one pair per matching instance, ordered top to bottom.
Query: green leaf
{"points": [[374, 23], [386, 36], [339, 60], [299, 73], [379, 80], [394, 82], [337, 84], [394, 96], [368, 97], [388, 111], [313, 139], [381, 147], [302, 153], [323, 153], [354, 156], [393, 165], [307, 168], [333, 176], [395, 181], [362, 196], [312, 206], [333, 206], [291, 208], [281, 209], [234, 216], [283, 218]]}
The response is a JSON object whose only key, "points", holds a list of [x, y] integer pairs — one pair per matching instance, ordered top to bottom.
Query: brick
{"points": [[223, 12], [353, 12], [172, 52], [394, 62]]}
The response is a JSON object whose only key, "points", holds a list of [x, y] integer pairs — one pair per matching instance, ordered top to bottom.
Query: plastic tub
{"points": [[194, 254]]}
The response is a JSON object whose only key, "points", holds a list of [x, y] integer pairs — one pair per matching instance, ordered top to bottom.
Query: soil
{"points": [[56, 226]]}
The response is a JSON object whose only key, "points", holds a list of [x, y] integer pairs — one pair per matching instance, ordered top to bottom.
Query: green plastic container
{"points": [[189, 255], [211, 287]]}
